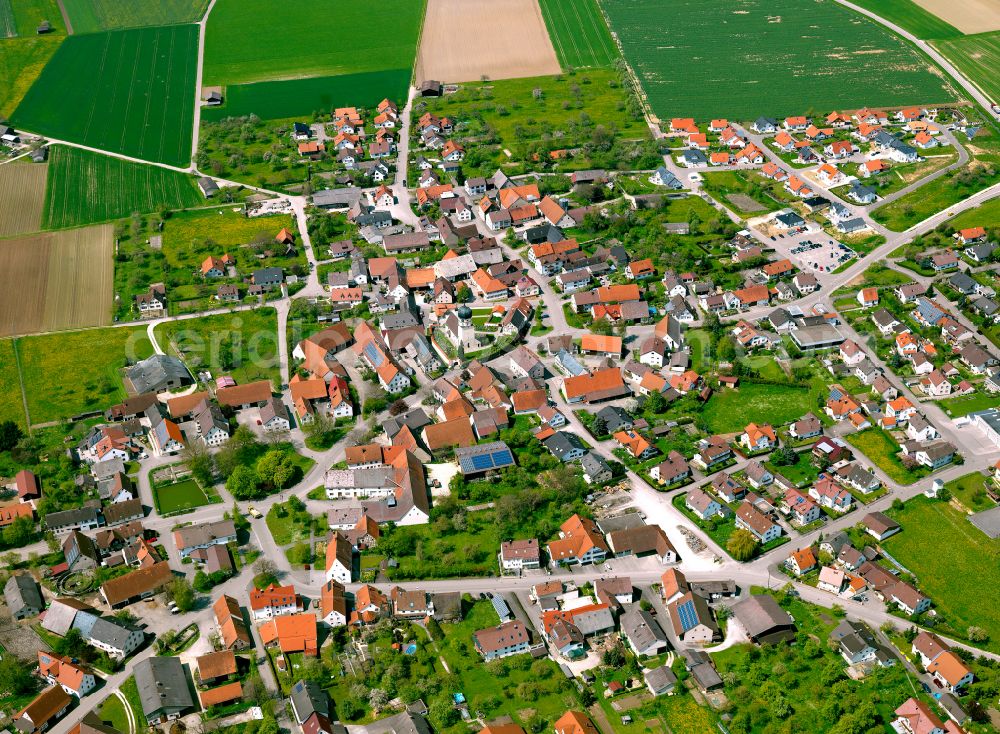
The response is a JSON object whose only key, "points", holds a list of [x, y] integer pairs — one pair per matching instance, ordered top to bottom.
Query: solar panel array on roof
{"points": [[373, 354], [477, 462], [502, 610], [688, 615]]}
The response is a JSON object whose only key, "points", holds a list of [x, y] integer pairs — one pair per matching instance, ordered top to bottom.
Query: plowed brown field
{"points": [[465, 40], [22, 191], [56, 280]]}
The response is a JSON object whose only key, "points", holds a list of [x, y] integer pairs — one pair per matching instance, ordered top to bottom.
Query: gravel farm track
{"points": [[453, 47]]}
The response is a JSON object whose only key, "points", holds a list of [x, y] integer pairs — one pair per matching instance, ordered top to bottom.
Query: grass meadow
{"points": [[94, 16], [911, 17], [579, 33], [258, 40], [23, 54], [773, 58], [978, 58], [125, 91], [302, 97], [85, 187], [986, 214], [243, 345], [69, 373], [11, 406], [728, 411], [879, 448], [184, 495], [965, 562], [112, 711]]}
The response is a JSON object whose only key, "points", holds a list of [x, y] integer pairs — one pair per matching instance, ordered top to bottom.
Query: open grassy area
{"points": [[93, 16], [911, 17], [578, 32], [251, 40], [977, 57], [824, 61], [115, 107], [982, 171], [742, 191], [73, 199], [986, 214], [243, 345], [69, 373], [11, 407], [957, 407], [729, 411], [881, 450], [802, 472], [970, 490], [185, 495], [964, 564], [131, 692], [113, 712]]}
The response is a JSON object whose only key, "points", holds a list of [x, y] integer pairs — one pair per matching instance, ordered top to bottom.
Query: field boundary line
{"points": [[65, 17], [416, 50], [20, 384]]}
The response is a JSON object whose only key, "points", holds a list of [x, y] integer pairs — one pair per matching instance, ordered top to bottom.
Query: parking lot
{"points": [[812, 252]]}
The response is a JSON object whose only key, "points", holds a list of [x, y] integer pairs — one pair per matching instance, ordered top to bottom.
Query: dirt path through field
{"points": [[969, 16], [65, 17], [465, 40]]}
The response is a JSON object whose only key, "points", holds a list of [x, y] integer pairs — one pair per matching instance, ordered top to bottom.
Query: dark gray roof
{"points": [[154, 373], [562, 443], [484, 457], [593, 464], [71, 517], [988, 521], [21, 592], [759, 614], [641, 628], [110, 632], [162, 684], [309, 698], [404, 723]]}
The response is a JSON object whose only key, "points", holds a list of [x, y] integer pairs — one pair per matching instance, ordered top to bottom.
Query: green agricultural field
{"points": [[94, 16], [911, 17], [8, 25], [579, 33], [258, 40], [23, 57], [776, 57], [978, 58], [130, 92], [303, 97], [981, 172], [73, 196], [243, 345], [73, 372], [11, 406], [728, 411], [184, 495], [965, 563]]}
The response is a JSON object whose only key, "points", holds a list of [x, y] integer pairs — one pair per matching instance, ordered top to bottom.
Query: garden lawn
{"points": [[93, 16], [578, 32], [257, 40], [823, 58], [129, 91], [72, 198], [243, 345], [69, 373], [11, 405], [957, 407], [728, 411], [881, 450], [802, 472], [970, 490], [184, 495], [964, 565], [550, 694], [113, 712]]}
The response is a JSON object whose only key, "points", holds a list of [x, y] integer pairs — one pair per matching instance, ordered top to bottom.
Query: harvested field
{"points": [[969, 16], [453, 47], [22, 190], [56, 280]]}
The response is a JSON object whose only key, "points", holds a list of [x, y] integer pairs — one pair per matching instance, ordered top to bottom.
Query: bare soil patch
{"points": [[969, 16], [465, 40], [22, 191], [56, 280]]}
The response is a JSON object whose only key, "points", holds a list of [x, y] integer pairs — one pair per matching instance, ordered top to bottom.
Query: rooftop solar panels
{"points": [[374, 354], [487, 457], [688, 615]]}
